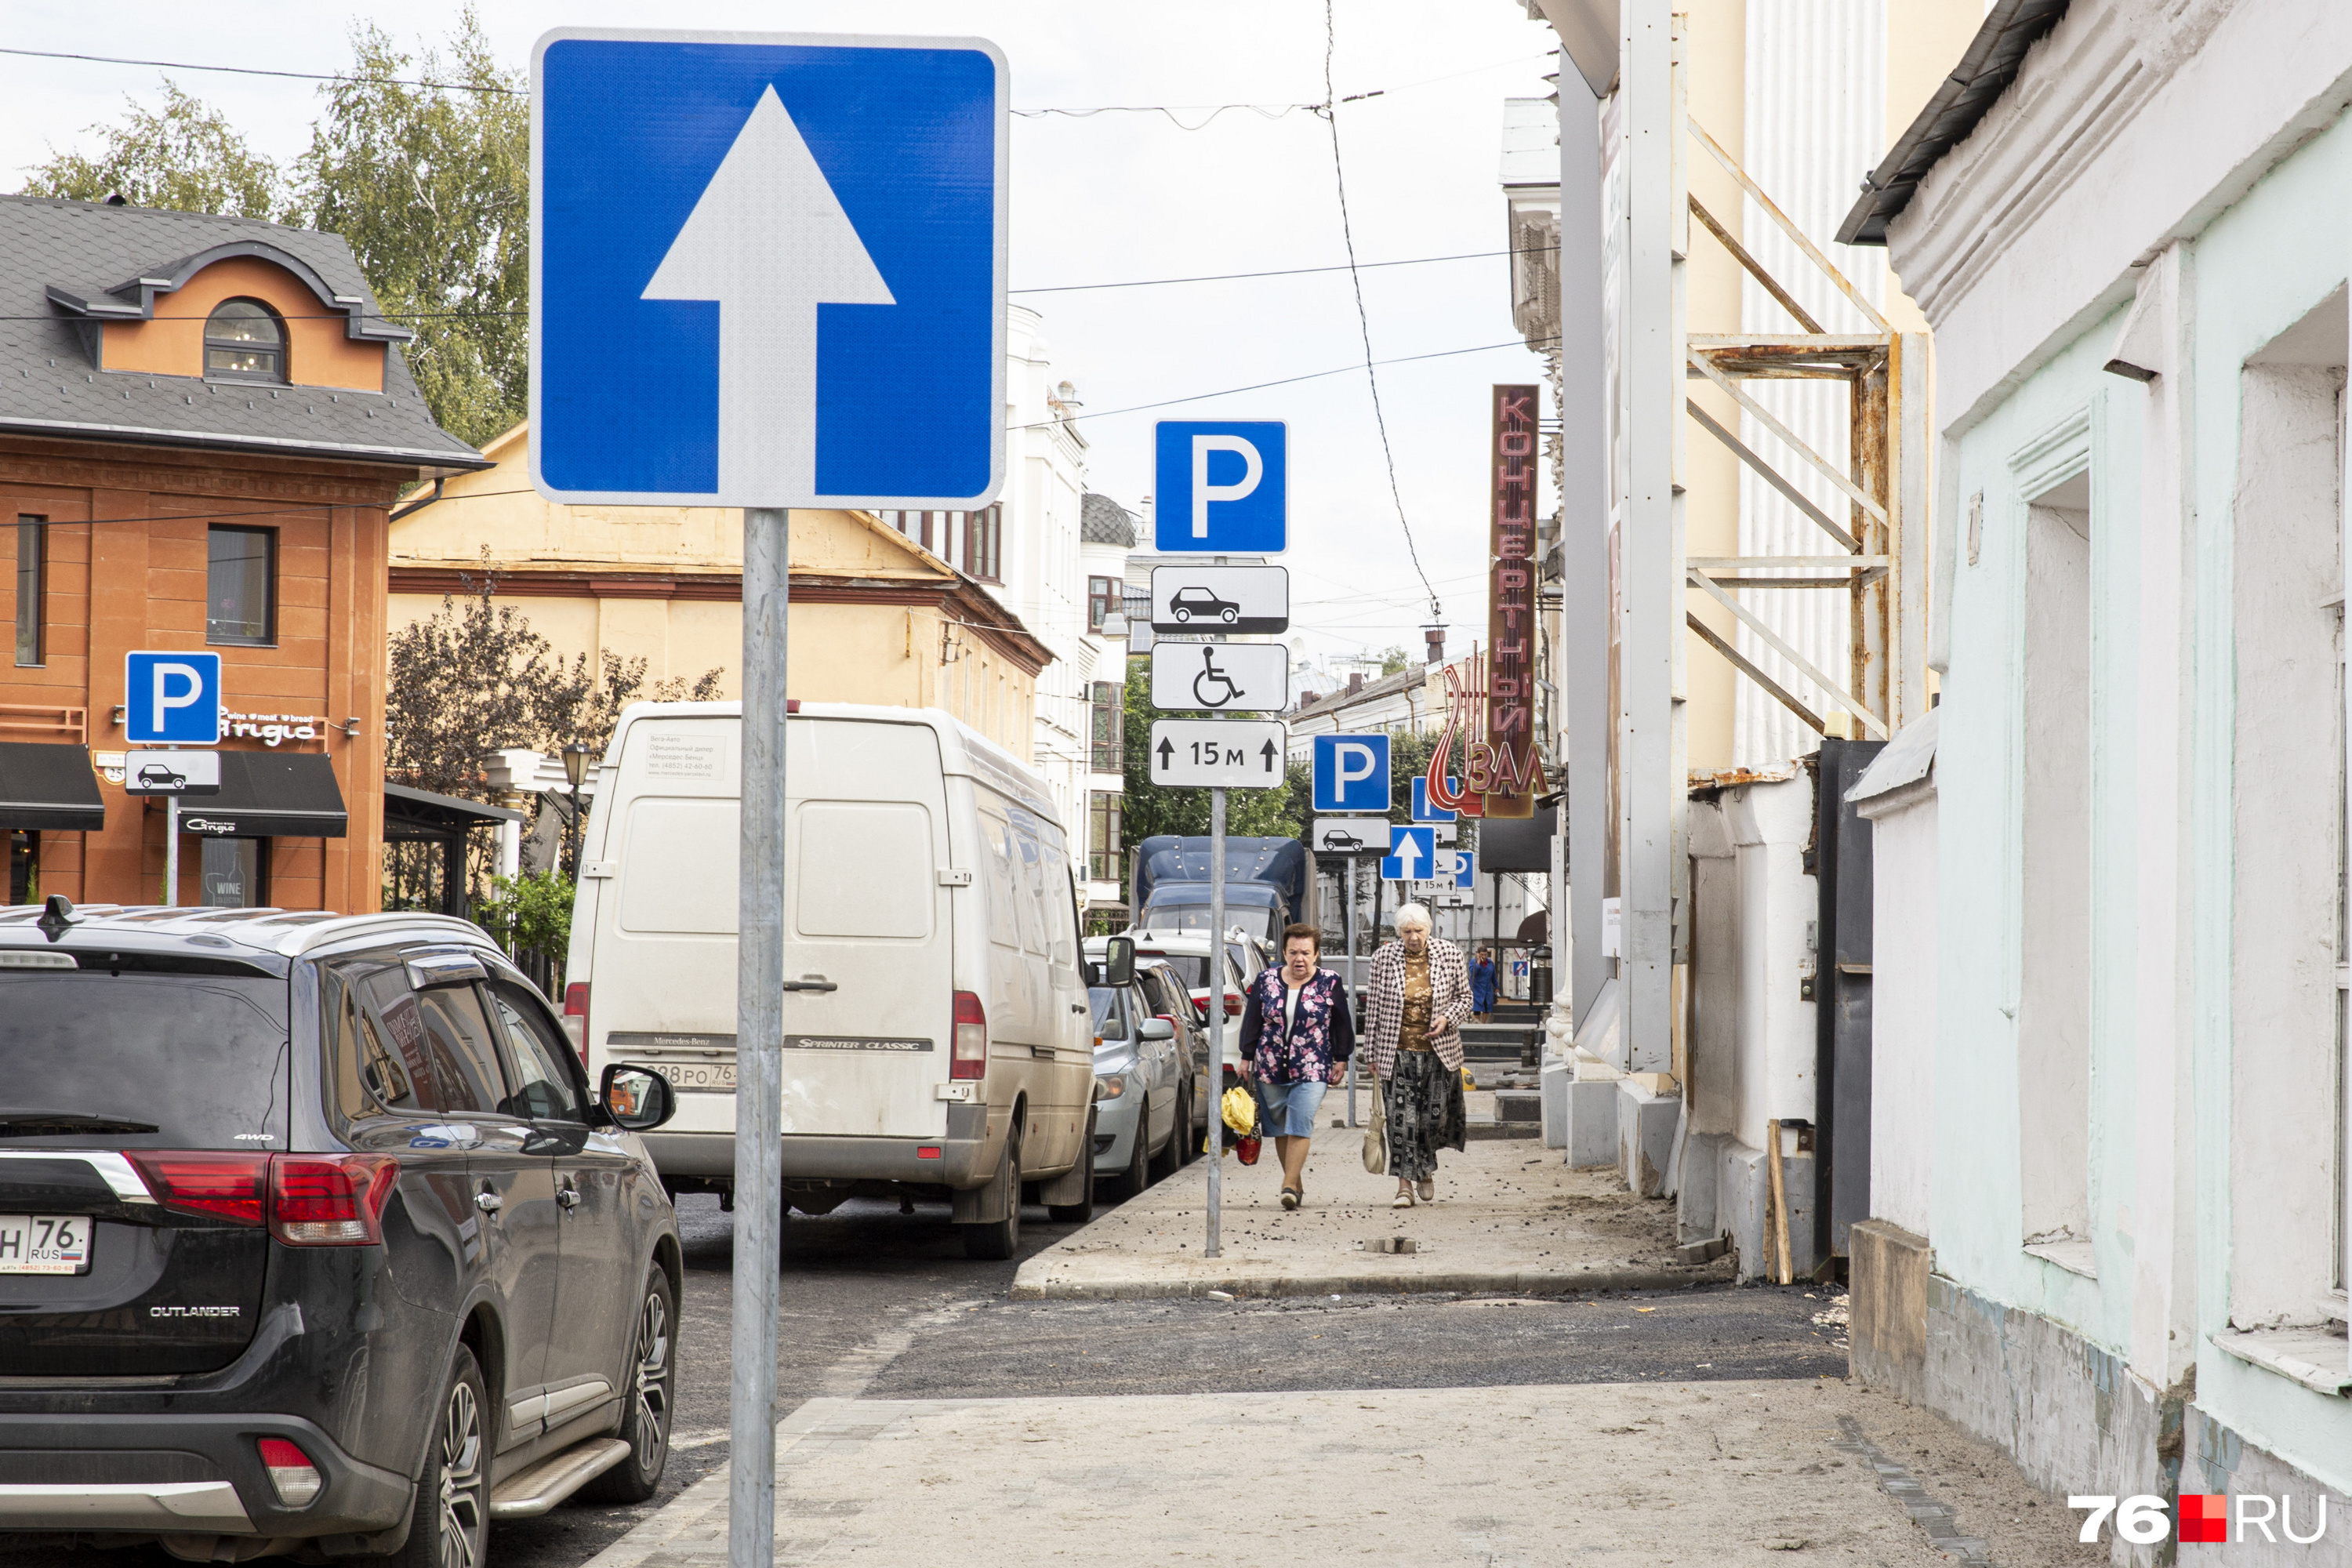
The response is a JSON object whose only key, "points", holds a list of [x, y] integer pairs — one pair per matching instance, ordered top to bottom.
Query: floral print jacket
{"points": [[1326, 1032]]}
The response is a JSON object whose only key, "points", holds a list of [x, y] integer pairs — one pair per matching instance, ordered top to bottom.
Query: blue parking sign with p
{"points": [[1220, 487], [172, 698], [1351, 773], [1422, 810]]}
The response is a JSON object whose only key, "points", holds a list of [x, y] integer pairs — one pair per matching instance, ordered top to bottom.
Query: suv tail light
{"points": [[575, 1017], [970, 1052], [231, 1187], [307, 1200], [329, 1200], [292, 1476]]}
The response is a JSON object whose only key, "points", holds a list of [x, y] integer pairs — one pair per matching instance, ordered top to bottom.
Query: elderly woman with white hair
{"points": [[1420, 998]]}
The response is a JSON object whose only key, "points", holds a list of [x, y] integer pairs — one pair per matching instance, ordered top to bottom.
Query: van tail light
{"points": [[1233, 1006], [575, 1017], [971, 1054], [231, 1187], [329, 1200], [292, 1476]]}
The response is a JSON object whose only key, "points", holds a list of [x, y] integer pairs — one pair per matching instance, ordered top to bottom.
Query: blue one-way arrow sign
{"points": [[767, 269], [1413, 854]]}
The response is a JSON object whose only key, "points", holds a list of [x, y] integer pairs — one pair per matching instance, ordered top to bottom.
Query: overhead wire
{"points": [[1363, 318]]}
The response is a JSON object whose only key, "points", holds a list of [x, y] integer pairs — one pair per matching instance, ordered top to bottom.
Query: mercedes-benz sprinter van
{"points": [[949, 1052]]}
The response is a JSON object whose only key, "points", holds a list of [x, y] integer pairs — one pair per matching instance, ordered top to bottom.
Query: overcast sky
{"points": [[1100, 199]]}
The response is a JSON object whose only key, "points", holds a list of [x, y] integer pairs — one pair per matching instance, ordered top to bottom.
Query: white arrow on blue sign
{"points": [[767, 269], [1222, 487], [172, 698], [1351, 773], [1413, 855]]}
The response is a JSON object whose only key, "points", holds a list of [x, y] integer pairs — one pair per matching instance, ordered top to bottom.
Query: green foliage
{"points": [[187, 158], [432, 187], [1394, 660], [1147, 809], [528, 912]]}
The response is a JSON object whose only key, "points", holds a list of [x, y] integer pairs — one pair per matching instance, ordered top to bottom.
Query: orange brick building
{"points": [[204, 423]]}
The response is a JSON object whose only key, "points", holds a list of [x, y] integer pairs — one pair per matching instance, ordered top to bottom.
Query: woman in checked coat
{"points": [[1420, 997]]}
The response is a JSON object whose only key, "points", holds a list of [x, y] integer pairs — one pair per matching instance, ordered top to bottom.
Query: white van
{"points": [[929, 885]]}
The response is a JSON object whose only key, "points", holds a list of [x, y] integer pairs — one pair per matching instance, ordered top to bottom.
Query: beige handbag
{"points": [[1376, 1132]]}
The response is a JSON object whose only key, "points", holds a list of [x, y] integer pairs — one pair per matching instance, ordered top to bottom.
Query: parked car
{"points": [[1184, 955], [1170, 1000], [935, 1024], [1140, 1089], [315, 1240]]}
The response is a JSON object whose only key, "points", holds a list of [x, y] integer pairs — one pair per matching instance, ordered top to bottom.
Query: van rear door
{"points": [[866, 913]]}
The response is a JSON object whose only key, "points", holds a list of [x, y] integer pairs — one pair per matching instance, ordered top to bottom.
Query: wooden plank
{"points": [[1796, 236], [1755, 268], [1765, 417], [1769, 474], [1778, 645], [1747, 667], [1780, 1198]]}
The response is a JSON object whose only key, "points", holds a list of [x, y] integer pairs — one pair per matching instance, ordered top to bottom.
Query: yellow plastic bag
{"points": [[1240, 1108]]}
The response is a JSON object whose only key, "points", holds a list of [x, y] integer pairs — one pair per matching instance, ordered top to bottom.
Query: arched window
{"points": [[244, 340]]}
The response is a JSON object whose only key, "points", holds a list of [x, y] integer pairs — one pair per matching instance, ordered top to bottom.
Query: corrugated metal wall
{"points": [[1816, 121]]}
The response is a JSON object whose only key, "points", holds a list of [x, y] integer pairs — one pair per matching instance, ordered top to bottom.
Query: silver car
{"points": [[1141, 1090]]}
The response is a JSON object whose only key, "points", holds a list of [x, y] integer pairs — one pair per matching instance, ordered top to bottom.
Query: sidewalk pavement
{"points": [[1509, 1216], [1723, 1473]]}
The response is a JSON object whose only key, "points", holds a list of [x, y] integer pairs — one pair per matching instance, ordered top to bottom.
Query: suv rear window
{"points": [[201, 1058]]}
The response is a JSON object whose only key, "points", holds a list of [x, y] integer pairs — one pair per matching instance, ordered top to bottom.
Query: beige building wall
{"points": [[876, 618]]}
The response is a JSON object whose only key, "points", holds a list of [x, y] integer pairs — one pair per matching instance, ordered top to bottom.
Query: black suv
{"points": [[314, 1240]]}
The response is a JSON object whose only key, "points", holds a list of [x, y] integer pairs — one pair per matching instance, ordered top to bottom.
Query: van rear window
{"points": [[201, 1059]]}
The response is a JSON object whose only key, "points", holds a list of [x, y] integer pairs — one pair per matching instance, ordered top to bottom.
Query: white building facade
{"points": [[2111, 923]]}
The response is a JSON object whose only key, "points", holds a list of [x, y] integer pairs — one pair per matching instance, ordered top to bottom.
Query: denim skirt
{"points": [[1287, 1110]]}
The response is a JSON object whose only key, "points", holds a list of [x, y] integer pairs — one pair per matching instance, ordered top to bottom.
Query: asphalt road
{"points": [[874, 1301], [877, 1302]]}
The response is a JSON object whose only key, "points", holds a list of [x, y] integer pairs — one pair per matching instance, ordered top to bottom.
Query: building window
{"points": [[244, 340], [915, 525], [984, 545], [240, 580], [32, 588], [1104, 594], [1109, 745], [1103, 847], [231, 871]]}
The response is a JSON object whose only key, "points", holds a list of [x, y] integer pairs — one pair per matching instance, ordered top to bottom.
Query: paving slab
{"points": [[1509, 1216], [1720, 1473]]}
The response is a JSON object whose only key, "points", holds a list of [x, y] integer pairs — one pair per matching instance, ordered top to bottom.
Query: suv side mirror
{"points": [[1118, 966], [1158, 1030], [636, 1099]]}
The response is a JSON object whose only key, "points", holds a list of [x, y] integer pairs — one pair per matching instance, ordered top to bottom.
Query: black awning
{"points": [[49, 788], [265, 795], [417, 814]]}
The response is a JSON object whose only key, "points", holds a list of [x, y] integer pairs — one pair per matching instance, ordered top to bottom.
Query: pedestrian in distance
{"points": [[1482, 984], [1412, 1023], [1296, 1037]]}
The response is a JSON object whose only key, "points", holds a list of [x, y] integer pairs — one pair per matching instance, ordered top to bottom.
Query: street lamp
{"points": [[575, 768]]}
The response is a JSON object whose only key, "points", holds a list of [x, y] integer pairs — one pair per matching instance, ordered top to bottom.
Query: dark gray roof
{"points": [[1960, 104], [67, 266], [1102, 520]]}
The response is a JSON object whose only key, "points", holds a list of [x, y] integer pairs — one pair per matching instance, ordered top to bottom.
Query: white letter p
{"points": [[1203, 492], [164, 701]]}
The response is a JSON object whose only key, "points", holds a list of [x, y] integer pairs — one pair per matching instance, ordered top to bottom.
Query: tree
{"points": [[187, 158], [432, 187], [1394, 660]]}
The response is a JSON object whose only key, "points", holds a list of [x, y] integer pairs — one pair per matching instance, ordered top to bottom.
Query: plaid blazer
{"points": [[1449, 998]]}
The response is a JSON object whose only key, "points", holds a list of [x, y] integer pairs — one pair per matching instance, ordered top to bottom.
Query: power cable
{"points": [[256, 71], [1363, 320]]}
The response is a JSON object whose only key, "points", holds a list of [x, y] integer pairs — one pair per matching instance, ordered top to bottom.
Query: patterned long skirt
{"points": [[1426, 1114]]}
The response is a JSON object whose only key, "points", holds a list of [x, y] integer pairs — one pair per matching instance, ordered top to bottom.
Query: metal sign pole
{"points": [[171, 851], [1348, 903], [1216, 1016], [758, 1050]]}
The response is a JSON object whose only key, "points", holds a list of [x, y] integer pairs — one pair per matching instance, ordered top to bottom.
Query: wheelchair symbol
{"points": [[1210, 679]]}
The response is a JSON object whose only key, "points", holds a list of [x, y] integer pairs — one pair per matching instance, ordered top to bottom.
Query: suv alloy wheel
{"points": [[653, 1364], [450, 1528]]}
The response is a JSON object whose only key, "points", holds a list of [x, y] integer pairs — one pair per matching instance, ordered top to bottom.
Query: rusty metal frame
{"points": [[1882, 484]]}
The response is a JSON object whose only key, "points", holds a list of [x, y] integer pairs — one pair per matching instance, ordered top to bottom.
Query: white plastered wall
{"points": [[1902, 1006]]}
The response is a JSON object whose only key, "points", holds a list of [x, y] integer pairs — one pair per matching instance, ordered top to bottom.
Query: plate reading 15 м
{"points": [[1218, 753]]}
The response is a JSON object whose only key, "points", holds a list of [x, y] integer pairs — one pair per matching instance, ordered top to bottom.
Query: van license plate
{"points": [[695, 1077], [45, 1243]]}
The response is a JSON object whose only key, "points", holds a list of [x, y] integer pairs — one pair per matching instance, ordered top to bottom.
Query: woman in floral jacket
{"points": [[1412, 1019], [1296, 1037]]}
